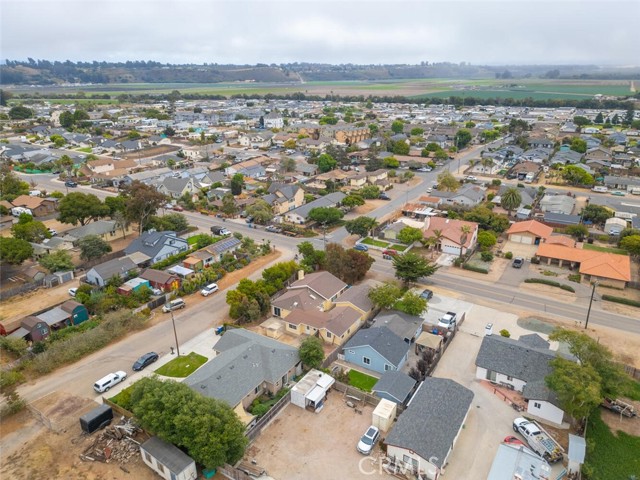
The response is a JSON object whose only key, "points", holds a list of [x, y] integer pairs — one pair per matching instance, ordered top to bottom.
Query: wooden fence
{"points": [[27, 287], [632, 371], [356, 394], [117, 409], [253, 432], [233, 473]]}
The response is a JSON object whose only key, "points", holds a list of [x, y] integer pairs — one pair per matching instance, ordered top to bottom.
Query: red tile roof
{"points": [[531, 226]]}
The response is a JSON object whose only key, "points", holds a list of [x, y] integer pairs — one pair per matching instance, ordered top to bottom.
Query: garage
{"points": [[520, 238], [450, 249]]}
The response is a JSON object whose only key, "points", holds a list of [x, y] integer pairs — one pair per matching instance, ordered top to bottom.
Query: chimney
{"points": [[300, 274]]}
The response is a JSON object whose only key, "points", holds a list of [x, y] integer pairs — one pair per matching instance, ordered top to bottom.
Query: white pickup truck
{"points": [[448, 320], [539, 440]]}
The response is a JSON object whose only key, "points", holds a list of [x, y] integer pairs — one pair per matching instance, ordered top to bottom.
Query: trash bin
{"points": [[219, 330], [488, 330]]}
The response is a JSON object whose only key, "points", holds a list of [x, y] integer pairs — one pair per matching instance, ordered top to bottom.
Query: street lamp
{"points": [[593, 291], [175, 334]]}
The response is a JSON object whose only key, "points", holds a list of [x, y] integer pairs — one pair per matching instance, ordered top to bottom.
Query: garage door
{"points": [[516, 238], [451, 250]]}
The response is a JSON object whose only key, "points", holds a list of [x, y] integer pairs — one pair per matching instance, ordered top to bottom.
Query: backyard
{"points": [[362, 381], [611, 456]]}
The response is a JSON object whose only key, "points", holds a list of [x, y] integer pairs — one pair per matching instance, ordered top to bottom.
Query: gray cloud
{"points": [[348, 31]]}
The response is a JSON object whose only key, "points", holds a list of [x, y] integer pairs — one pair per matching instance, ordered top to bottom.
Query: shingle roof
{"points": [[327, 201], [99, 227], [150, 243], [111, 268], [157, 276], [323, 283], [357, 296], [297, 299], [53, 316], [337, 320], [403, 325], [534, 340], [383, 341], [246, 360], [395, 384], [433, 419], [174, 459]]}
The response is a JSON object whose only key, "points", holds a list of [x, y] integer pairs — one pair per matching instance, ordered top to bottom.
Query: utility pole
{"points": [[324, 236], [593, 291], [175, 334]]}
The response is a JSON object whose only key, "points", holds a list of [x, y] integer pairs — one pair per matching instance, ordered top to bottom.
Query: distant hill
{"points": [[44, 72]]}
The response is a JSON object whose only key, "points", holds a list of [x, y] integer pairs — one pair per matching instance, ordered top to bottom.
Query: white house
{"points": [[167, 460]]}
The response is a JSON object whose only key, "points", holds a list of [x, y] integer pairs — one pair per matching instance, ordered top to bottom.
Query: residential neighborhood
{"points": [[305, 288]]}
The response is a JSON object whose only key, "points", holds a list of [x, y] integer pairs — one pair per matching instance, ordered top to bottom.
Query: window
{"points": [[276, 311], [293, 326], [328, 334], [352, 352], [366, 361], [387, 367], [510, 378], [257, 389], [537, 405], [147, 456], [161, 467]]}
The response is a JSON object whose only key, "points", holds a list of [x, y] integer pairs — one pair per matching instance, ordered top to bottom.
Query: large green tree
{"points": [[20, 112], [397, 126], [462, 138], [578, 145], [326, 163], [447, 182], [10, 184], [237, 184], [370, 192], [510, 199], [352, 200], [142, 201], [81, 208], [261, 212], [596, 214], [325, 215], [174, 222], [361, 226], [30, 229], [410, 235], [631, 244], [92, 246], [14, 251], [57, 261], [350, 266], [410, 267], [385, 295], [411, 303], [311, 352], [577, 387], [208, 429]]}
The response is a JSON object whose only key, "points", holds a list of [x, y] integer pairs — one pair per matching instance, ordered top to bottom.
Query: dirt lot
{"points": [[617, 422], [296, 444], [32, 451]]}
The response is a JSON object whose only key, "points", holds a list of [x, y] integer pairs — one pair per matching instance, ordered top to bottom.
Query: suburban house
{"points": [[273, 120], [622, 183], [177, 187], [468, 195], [283, 197], [557, 204], [39, 206], [300, 215], [101, 228], [449, 232], [529, 232], [157, 245], [207, 256], [609, 269], [102, 273], [160, 279], [312, 291], [333, 326], [405, 326], [376, 349], [521, 365], [246, 366], [395, 386], [426, 432], [167, 460]]}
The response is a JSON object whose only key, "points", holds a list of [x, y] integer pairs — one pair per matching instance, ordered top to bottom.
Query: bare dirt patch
{"points": [[555, 293], [616, 421]]}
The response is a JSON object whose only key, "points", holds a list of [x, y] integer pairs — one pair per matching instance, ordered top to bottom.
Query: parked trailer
{"points": [[620, 407], [96, 419], [539, 440]]}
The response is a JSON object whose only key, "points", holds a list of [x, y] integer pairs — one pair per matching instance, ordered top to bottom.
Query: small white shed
{"points": [[311, 390], [384, 415], [167, 460]]}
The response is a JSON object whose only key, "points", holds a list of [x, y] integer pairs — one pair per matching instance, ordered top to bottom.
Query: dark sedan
{"points": [[144, 361]]}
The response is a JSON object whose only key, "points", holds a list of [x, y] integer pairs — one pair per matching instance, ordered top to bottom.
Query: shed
{"points": [[181, 272], [133, 285], [33, 328], [428, 341], [311, 390], [384, 415], [577, 449], [167, 460]]}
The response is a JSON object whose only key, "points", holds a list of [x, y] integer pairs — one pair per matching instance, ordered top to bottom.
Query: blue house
{"points": [[377, 349]]}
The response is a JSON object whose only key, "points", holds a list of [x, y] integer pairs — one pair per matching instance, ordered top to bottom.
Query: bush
{"points": [[496, 182], [508, 255], [486, 256], [535, 260], [457, 262], [472, 268], [575, 277], [551, 283], [624, 301], [505, 333], [15, 346]]}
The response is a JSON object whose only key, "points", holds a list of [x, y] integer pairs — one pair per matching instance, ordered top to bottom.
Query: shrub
{"points": [[496, 182], [508, 255], [486, 256], [535, 260], [457, 262], [472, 268], [549, 273], [575, 277], [551, 283], [624, 301], [505, 333], [15, 346]]}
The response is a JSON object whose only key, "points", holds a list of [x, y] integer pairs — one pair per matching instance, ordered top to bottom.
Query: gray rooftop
{"points": [[329, 200], [99, 227], [150, 243], [224, 245], [117, 266], [323, 283], [358, 296], [53, 316], [404, 325], [382, 340], [534, 340], [245, 360], [395, 384], [432, 420], [174, 459], [513, 462]]}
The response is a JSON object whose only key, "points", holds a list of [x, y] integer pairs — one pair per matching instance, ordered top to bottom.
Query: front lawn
{"points": [[375, 243], [597, 248], [183, 366], [362, 381], [611, 456]]}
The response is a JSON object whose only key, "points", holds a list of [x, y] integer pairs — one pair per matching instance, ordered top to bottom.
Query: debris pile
{"points": [[115, 443]]}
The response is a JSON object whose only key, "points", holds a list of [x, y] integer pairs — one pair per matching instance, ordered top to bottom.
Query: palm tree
{"points": [[486, 163], [510, 199], [465, 230], [437, 237]]}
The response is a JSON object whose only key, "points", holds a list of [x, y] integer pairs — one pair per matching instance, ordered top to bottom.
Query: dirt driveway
{"points": [[303, 445]]}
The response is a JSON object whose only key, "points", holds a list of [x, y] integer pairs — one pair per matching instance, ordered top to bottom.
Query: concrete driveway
{"points": [[520, 249]]}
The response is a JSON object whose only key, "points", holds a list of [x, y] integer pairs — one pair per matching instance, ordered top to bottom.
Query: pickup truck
{"points": [[448, 320], [539, 440]]}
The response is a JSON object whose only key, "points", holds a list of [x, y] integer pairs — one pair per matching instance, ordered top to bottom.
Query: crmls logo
{"points": [[368, 466]]}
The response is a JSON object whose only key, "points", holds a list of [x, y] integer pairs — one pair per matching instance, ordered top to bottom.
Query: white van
{"points": [[600, 189], [108, 381]]}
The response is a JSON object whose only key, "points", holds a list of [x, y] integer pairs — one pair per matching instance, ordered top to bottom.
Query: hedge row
{"points": [[472, 268], [551, 283], [625, 301]]}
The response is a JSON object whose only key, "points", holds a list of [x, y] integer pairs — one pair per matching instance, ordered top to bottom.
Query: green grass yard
{"points": [[382, 244], [597, 248], [183, 366], [362, 381]]}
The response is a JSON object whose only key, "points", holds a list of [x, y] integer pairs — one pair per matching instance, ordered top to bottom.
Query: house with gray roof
{"points": [[566, 157], [177, 187], [468, 195], [557, 204], [300, 215], [101, 228], [157, 245], [102, 273], [405, 326], [376, 349], [521, 365], [246, 366], [395, 386], [426, 432], [167, 460]]}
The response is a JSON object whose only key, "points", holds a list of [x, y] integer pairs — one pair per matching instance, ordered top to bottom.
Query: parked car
{"points": [[424, 169], [70, 183], [618, 193], [384, 196], [178, 208], [249, 219], [273, 229], [221, 231], [52, 232], [361, 247], [390, 252], [518, 262], [209, 289], [73, 291], [427, 294], [173, 305], [448, 321], [144, 361], [108, 381], [368, 440]]}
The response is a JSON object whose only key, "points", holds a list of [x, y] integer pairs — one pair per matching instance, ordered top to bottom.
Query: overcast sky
{"points": [[349, 31]]}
